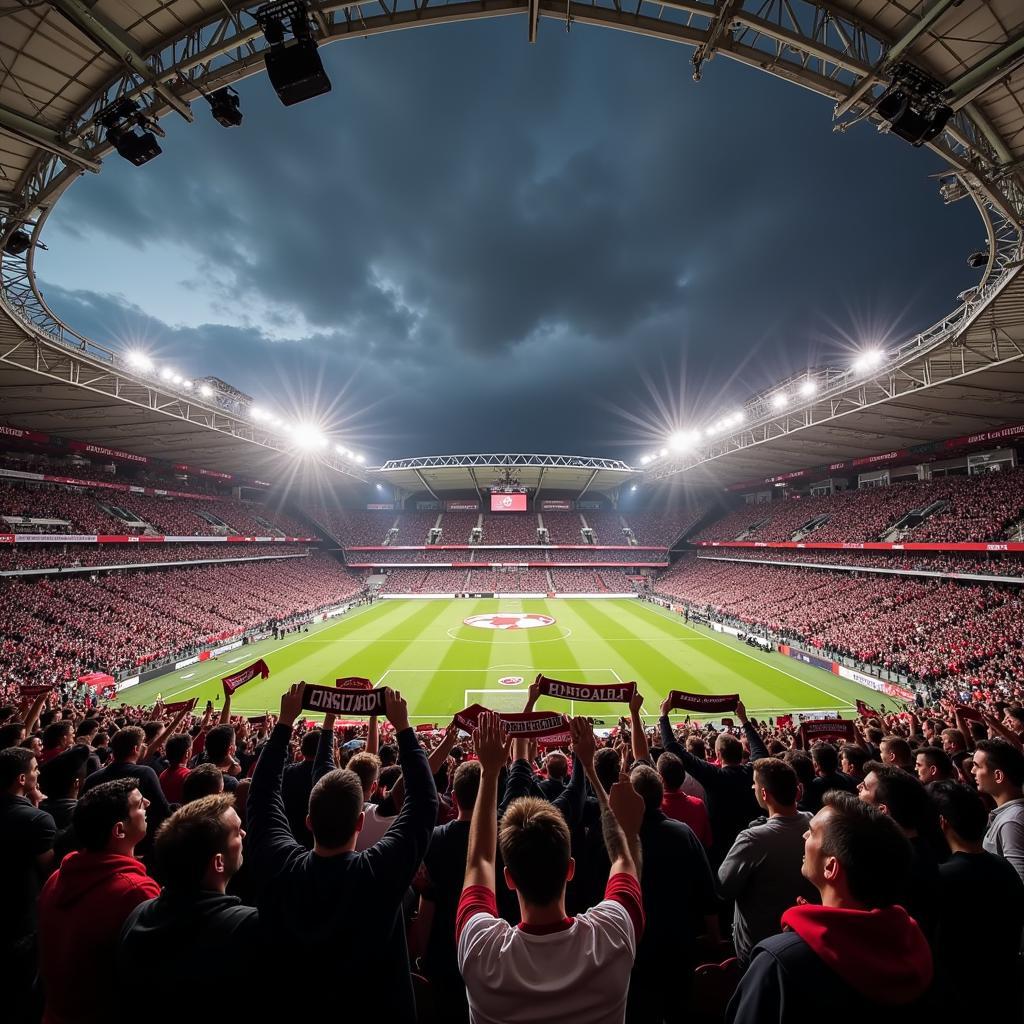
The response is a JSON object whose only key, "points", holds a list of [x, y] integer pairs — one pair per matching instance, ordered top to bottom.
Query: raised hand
{"points": [[636, 702], [291, 703], [666, 705], [396, 709], [741, 710], [492, 743], [584, 746], [627, 805]]}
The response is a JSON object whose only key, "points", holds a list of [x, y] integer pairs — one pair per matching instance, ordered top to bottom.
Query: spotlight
{"points": [[294, 67], [913, 105], [224, 107], [130, 132], [18, 243], [977, 260], [140, 361], [867, 361], [166, 373], [175, 378], [187, 385], [808, 387], [206, 391], [780, 400], [307, 437], [677, 442], [663, 452], [360, 459], [644, 460], [633, 487]]}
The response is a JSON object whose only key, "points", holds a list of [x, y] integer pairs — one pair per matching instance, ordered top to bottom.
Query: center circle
{"points": [[509, 620]]}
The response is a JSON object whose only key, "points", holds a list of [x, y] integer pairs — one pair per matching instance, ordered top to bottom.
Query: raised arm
{"points": [[225, 712], [168, 730], [637, 732], [372, 736], [757, 747], [492, 748], [437, 758], [323, 761], [706, 774], [572, 799]]}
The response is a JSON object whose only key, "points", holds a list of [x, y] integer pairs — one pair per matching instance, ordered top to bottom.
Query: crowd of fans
{"points": [[982, 507], [415, 527], [457, 527], [565, 527], [509, 528], [661, 529], [51, 556], [53, 629], [969, 637], [684, 872]]}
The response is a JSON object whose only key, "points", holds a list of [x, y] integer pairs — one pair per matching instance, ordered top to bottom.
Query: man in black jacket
{"points": [[826, 776], [296, 787], [729, 787], [333, 914], [173, 948], [859, 956]]}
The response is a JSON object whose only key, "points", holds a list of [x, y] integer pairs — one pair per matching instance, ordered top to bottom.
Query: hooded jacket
{"points": [[82, 908], [184, 952], [853, 965]]}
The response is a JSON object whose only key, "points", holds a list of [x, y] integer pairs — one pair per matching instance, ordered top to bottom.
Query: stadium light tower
{"points": [[867, 360], [140, 361], [808, 387], [780, 400]]}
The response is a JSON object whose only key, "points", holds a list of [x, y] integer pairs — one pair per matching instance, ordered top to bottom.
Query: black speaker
{"points": [[296, 71]]}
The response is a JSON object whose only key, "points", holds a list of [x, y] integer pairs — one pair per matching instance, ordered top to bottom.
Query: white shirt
{"points": [[374, 827]]}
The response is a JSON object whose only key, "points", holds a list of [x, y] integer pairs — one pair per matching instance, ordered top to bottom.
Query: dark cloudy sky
{"points": [[475, 244]]}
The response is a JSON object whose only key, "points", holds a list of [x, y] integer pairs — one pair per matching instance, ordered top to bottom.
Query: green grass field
{"points": [[424, 649]]}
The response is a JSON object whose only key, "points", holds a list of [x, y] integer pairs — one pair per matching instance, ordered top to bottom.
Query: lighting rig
{"points": [[293, 67], [131, 132]]}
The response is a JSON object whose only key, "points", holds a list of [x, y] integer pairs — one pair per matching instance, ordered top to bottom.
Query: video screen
{"points": [[508, 502]]}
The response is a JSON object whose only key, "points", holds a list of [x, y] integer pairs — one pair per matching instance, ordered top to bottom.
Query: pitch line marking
{"points": [[820, 689]]}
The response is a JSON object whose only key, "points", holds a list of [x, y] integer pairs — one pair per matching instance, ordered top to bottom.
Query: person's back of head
{"points": [[87, 728], [151, 730], [11, 733], [58, 735], [875, 735], [219, 741], [310, 741], [126, 743], [695, 745], [177, 749], [729, 749], [896, 750], [388, 755], [825, 758], [852, 758], [557, 765], [607, 765], [802, 765], [367, 768], [672, 772], [61, 777], [204, 780], [647, 782], [775, 784], [466, 785], [896, 793], [336, 808], [960, 810], [107, 816], [534, 842], [199, 846], [857, 852]]}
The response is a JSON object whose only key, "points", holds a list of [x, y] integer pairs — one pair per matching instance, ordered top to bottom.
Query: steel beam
{"points": [[983, 76], [27, 130]]}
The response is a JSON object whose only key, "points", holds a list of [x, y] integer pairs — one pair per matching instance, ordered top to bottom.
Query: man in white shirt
{"points": [[999, 773], [551, 967]]}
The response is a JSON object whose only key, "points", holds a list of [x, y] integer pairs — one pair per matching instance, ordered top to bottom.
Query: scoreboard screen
{"points": [[508, 502]]}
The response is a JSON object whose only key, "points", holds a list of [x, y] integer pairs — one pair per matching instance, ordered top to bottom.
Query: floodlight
{"points": [[294, 67], [224, 107], [18, 243], [977, 260], [140, 361], [867, 361], [166, 373], [175, 378], [186, 384], [808, 387], [205, 390], [780, 400], [258, 413], [739, 416], [307, 437], [677, 442], [663, 452], [360, 458], [644, 459], [633, 487]]}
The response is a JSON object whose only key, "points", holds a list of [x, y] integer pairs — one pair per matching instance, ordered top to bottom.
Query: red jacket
{"points": [[82, 907]]}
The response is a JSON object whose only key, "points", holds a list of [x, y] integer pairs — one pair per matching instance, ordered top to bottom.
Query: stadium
{"points": [[742, 712]]}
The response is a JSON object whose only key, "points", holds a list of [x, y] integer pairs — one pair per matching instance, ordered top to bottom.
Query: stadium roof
{"points": [[63, 62]]}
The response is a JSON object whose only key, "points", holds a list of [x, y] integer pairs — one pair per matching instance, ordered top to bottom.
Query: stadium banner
{"points": [[24, 435], [109, 453], [461, 505], [555, 505], [380, 506], [428, 506], [593, 506], [866, 546], [505, 547], [224, 648], [808, 659], [185, 664], [852, 674], [242, 676], [124, 684], [33, 690], [900, 692], [613, 693], [333, 701], [703, 702], [181, 705], [525, 723], [427, 727], [828, 730]]}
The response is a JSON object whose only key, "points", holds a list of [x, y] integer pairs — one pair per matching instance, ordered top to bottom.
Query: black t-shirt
{"points": [[27, 834], [445, 863]]}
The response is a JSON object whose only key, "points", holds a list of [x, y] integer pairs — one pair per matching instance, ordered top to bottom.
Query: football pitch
{"points": [[444, 655]]}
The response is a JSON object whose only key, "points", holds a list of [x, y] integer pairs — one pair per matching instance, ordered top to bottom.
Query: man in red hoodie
{"points": [[85, 902], [858, 957]]}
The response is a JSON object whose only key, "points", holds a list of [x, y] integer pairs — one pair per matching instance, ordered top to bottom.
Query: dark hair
{"points": [[87, 727], [152, 730], [10, 734], [53, 734], [125, 740], [218, 742], [310, 742], [695, 745], [178, 747], [900, 749], [730, 750], [855, 754], [388, 755], [826, 757], [1005, 757], [938, 758], [14, 761], [557, 765], [607, 765], [802, 765], [367, 767], [671, 770], [778, 778], [204, 780], [647, 782], [466, 784], [902, 793], [334, 806], [961, 807], [99, 810], [190, 838], [534, 842], [875, 855]]}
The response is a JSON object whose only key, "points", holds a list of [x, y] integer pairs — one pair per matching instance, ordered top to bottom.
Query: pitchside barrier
{"points": [[515, 596]]}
